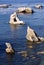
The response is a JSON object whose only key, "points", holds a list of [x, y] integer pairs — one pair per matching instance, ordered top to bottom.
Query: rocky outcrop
{"points": [[25, 10], [15, 20], [32, 36]]}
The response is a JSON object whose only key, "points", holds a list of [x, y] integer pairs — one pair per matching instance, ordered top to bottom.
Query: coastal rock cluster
{"points": [[22, 10], [31, 35]]}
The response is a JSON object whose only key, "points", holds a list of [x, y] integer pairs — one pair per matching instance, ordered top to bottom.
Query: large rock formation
{"points": [[25, 10], [14, 19], [32, 36], [9, 48]]}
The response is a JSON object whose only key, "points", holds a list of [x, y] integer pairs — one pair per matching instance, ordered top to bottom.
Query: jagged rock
{"points": [[14, 19], [32, 36]]}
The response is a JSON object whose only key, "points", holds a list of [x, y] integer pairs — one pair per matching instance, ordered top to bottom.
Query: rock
{"points": [[4, 5], [38, 6], [25, 10], [15, 20], [32, 36], [30, 46], [9, 48], [41, 52], [23, 53], [33, 57]]}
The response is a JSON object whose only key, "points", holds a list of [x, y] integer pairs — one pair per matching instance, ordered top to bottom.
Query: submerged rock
{"points": [[4, 5], [38, 6], [25, 10], [14, 19], [32, 36], [30, 46], [9, 48], [41, 52], [23, 53]]}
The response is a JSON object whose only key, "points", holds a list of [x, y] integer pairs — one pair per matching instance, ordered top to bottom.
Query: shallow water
{"points": [[16, 35]]}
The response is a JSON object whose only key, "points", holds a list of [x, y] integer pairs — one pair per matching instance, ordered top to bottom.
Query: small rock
{"points": [[4, 5], [38, 6], [9, 48], [42, 52]]}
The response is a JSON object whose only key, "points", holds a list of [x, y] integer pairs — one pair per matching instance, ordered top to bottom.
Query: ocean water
{"points": [[16, 35]]}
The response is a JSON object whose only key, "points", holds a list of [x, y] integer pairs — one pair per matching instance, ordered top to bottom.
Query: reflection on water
{"points": [[14, 27], [32, 53], [9, 59]]}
